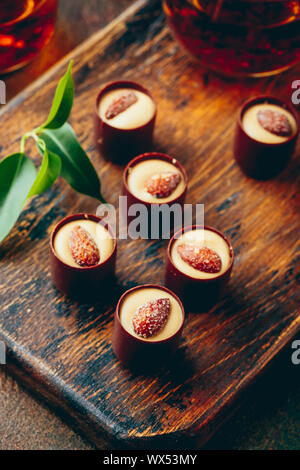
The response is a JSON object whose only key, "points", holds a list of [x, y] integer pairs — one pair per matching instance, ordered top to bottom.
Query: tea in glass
{"points": [[25, 27], [238, 37]]}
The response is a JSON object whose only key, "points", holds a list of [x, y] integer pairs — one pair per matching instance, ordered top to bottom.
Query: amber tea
{"points": [[25, 27], [238, 37]]}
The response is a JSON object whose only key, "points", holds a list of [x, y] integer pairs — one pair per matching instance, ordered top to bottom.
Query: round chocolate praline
{"points": [[119, 145], [261, 160], [134, 199], [83, 283], [198, 294], [137, 352]]}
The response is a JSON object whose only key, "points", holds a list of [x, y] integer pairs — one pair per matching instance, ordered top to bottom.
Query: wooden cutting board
{"points": [[62, 350]]}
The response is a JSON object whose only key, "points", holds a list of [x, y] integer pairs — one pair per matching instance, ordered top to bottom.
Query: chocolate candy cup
{"points": [[119, 145], [258, 159], [132, 199], [83, 283], [197, 294], [139, 353]]}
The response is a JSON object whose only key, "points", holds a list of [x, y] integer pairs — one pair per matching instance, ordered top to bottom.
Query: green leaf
{"points": [[62, 102], [77, 168], [48, 172], [17, 173]]}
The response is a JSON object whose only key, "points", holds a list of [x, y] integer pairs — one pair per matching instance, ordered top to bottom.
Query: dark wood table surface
{"points": [[270, 416]]}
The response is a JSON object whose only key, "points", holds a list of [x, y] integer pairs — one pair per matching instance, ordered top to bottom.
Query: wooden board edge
{"points": [[100, 432]]}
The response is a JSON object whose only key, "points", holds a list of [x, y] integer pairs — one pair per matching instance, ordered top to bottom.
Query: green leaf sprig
{"points": [[62, 156]]}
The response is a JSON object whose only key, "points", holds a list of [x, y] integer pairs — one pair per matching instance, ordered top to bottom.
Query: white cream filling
{"points": [[137, 115], [256, 131], [141, 172], [99, 233], [202, 238], [139, 297]]}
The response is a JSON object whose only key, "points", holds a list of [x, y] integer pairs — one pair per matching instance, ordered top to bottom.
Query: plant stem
{"points": [[24, 139], [22, 144]]}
